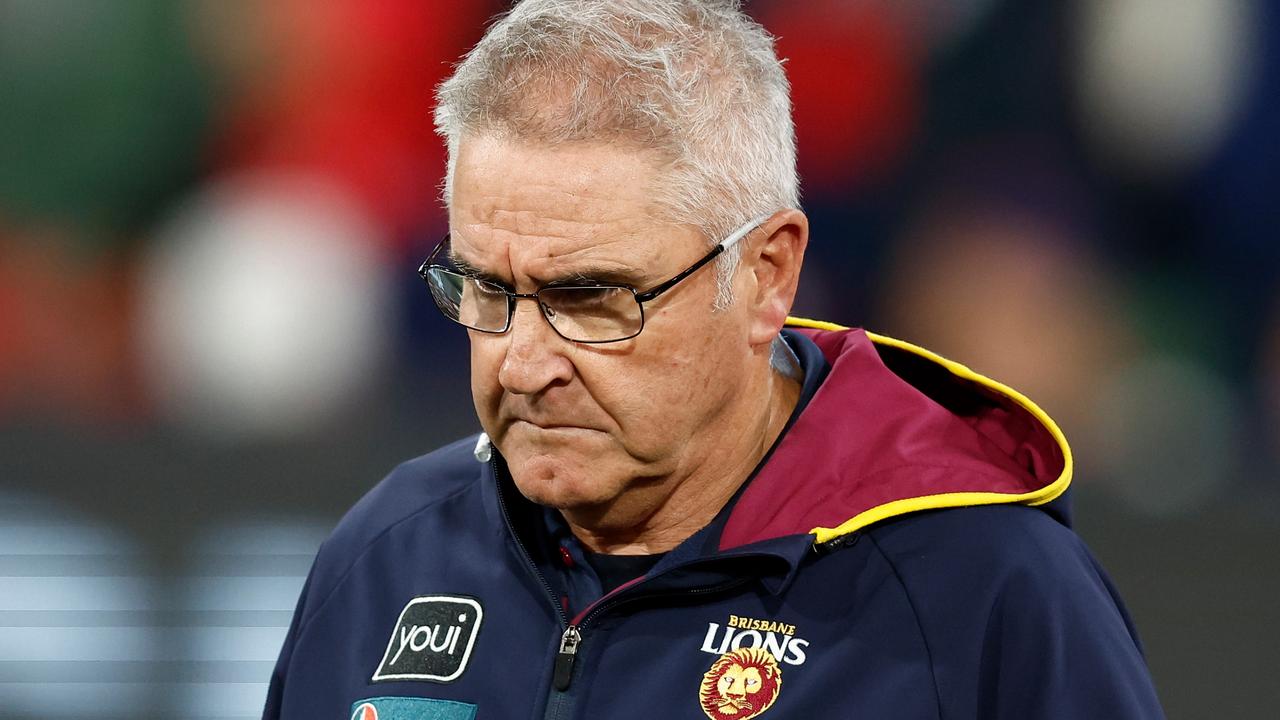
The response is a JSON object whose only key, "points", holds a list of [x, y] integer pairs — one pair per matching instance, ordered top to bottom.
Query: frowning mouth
{"points": [[550, 426]]}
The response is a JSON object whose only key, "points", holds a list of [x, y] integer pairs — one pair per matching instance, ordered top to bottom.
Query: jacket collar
{"points": [[883, 429], [896, 429]]}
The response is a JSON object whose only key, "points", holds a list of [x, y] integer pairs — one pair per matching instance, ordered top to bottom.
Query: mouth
{"points": [[550, 426]]}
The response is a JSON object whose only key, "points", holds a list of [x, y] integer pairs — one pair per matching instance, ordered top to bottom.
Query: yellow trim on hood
{"points": [[945, 500]]}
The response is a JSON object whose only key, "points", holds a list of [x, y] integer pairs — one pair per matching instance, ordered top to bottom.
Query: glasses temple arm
{"points": [[725, 244], [655, 291]]}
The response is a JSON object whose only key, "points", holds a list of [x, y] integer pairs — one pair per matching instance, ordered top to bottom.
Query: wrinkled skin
{"points": [[638, 443]]}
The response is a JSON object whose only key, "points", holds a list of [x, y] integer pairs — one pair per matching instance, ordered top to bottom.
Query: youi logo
{"points": [[432, 640]]}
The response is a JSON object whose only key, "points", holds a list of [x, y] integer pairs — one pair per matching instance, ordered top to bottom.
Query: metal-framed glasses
{"points": [[584, 312]]}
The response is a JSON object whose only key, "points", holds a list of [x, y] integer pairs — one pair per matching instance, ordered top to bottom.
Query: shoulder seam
{"points": [[302, 628], [924, 637]]}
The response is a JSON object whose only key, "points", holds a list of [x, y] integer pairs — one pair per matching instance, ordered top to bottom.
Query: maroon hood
{"points": [[896, 429]]}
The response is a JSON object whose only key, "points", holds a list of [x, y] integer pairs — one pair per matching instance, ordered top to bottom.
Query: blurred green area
{"points": [[106, 103]]}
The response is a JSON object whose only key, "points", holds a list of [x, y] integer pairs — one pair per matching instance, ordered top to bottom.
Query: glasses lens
{"points": [[475, 303], [592, 314]]}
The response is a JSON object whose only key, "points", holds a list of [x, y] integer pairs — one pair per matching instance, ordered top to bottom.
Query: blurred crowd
{"points": [[210, 212], [212, 337]]}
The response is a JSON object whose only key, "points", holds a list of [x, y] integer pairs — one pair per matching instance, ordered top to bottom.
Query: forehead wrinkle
{"points": [[525, 175], [553, 212], [528, 219], [541, 225], [543, 245], [616, 258], [542, 259]]}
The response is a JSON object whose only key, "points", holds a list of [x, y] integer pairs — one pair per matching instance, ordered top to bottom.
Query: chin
{"points": [[554, 467], [558, 479]]}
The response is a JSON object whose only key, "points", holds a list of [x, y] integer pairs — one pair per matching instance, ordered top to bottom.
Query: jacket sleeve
{"points": [[1020, 620], [1061, 646], [279, 676]]}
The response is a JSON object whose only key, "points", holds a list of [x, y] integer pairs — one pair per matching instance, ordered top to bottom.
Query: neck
{"points": [[659, 516]]}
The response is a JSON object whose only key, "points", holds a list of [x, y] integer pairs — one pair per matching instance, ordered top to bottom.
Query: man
{"points": [[678, 508]]}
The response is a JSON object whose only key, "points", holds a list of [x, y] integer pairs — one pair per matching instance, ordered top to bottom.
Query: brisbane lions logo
{"points": [[740, 684]]}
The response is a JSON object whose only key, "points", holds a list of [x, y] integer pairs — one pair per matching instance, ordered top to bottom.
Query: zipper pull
{"points": [[564, 660]]}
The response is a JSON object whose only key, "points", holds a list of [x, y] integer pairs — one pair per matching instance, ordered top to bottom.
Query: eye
{"points": [[484, 287], [582, 299]]}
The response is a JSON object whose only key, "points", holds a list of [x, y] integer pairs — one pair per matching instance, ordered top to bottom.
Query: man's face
{"points": [[591, 427]]}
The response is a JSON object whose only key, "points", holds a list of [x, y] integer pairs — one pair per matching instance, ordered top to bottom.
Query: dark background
{"points": [[212, 340]]}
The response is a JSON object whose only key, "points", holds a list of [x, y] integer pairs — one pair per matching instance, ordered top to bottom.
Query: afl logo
{"points": [[365, 711]]}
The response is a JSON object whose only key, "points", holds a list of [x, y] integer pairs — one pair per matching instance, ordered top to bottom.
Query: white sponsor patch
{"points": [[432, 640]]}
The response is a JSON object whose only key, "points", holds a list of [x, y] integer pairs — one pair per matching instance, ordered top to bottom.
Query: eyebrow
{"points": [[470, 270], [598, 276], [581, 277]]}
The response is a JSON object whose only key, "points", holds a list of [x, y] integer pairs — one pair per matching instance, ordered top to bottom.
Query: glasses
{"points": [[587, 313]]}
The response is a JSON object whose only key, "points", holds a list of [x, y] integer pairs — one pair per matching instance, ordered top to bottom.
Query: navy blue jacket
{"points": [[904, 551]]}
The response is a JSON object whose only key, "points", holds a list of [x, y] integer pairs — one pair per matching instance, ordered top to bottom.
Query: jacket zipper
{"points": [[528, 559], [571, 638], [564, 659]]}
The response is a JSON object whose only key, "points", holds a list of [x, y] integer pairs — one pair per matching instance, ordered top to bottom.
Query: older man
{"points": [[678, 508]]}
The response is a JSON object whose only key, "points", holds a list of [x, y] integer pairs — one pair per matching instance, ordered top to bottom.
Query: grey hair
{"points": [[696, 81]]}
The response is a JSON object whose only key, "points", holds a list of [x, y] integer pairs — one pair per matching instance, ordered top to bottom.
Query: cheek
{"points": [[687, 374], [642, 392], [486, 393], [640, 395]]}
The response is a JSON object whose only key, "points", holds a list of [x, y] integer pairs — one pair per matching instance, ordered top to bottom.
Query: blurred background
{"points": [[213, 340]]}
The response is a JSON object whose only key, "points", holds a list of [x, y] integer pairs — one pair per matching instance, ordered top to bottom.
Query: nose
{"points": [[535, 355]]}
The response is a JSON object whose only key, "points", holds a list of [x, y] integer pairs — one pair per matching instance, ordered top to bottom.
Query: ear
{"points": [[773, 271]]}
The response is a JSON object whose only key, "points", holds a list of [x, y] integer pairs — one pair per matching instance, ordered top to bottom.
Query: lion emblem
{"points": [[740, 684]]}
